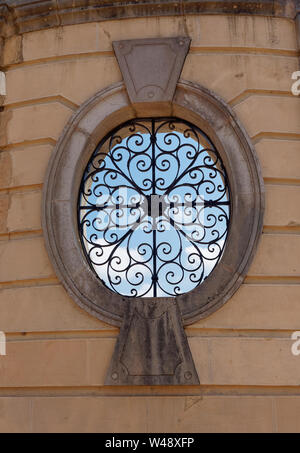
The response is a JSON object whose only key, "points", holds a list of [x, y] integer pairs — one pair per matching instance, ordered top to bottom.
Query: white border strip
{"points": [[2, 84]]}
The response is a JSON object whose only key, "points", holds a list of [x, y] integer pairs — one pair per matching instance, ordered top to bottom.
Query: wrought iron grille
{"points": [[154, 208]]}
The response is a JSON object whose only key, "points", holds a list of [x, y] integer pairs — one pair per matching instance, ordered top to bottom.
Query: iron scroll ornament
{"points": [[154, 208]]}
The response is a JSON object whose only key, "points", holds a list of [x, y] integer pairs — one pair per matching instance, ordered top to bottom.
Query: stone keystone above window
{"points": [[151, 67]]}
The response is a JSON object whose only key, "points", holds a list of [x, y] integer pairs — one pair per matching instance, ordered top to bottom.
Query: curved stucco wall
{"points": [[57, 355]]}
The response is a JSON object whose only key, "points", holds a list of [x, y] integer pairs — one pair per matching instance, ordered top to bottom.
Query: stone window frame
{"points": [[95, 119]]}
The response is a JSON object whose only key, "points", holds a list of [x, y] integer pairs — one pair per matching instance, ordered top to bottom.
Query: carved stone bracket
{"points": [[151, 67], [152, 347]]}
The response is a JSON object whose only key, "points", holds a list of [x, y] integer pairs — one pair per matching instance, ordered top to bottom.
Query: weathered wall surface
{"points": [[57, 355]]}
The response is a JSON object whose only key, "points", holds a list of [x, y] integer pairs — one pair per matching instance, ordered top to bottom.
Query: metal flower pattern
{"points": [[154, 208]]}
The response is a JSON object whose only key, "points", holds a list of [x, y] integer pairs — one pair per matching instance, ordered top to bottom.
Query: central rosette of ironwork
{"points": [[154, 208]]}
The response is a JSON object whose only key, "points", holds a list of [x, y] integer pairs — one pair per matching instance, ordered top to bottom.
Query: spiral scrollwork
{"points": [[154, 208]]}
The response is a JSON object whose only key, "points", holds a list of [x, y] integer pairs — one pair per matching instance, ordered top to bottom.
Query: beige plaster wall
{"points": [[52, 376]]}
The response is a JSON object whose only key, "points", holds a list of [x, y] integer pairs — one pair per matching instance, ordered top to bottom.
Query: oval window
{"points": [[154, 208]]}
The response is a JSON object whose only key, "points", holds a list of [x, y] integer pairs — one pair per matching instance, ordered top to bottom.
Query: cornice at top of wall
{"points": [[21, 16]]}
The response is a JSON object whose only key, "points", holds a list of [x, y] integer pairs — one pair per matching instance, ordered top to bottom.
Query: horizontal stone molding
{"points": [[21, 16], [55, 313], [82, 362], [84, 414]]}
